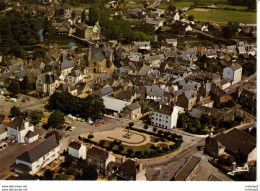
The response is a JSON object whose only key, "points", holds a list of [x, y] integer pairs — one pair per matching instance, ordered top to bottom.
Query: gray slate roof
{"points": [[39, 151]]}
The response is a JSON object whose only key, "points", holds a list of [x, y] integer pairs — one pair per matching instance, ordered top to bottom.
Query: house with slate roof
{"points": [[96, 60], [233, 73], [47, 83], [132, 111], [165, 116], [21, 131], [235, 142], [77, 150], [38, 157], [100, 158], [131, 170]]}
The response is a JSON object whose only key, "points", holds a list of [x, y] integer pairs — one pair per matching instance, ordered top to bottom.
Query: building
{"points": [[88, 32], [233, 73], [47, 83], [187, 99], [132, 111], [165, 116], [21, 131], [3, 132], [235, 142], [77, 150], [38, 157], [100, 158], [189, 168], [131, 170]]}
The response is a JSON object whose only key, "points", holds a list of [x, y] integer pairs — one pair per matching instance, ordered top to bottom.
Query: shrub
{"points": [[145, 126], [154, 129], [159, 132], [90, 136], [156, 139], [101, 143], [111, 145], [120, 147], [153, 147], [165, 149]]}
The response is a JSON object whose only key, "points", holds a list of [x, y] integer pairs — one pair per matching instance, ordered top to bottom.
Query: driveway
{"points": [[9, 155]]}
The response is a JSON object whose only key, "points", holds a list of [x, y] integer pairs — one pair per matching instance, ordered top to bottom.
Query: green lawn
{"points": [[223, 16], [137, 148]]}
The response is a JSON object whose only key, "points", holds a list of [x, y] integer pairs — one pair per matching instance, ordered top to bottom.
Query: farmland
{"points": [[223, 16]]}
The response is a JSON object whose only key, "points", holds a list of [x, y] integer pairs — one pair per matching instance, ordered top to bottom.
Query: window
{"points": [[166, 121]]}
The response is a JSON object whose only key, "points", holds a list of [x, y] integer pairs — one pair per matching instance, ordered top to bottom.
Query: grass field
{"points": [[223, 16], [137, 148]]}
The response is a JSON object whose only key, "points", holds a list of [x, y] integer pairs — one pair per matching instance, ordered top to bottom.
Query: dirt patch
{"points": [[201, 10], [162, 145]]}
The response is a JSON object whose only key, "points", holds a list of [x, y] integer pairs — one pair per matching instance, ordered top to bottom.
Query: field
{"points": [[223, 16]]}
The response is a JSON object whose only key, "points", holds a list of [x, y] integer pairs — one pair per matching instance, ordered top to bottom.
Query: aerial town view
{"points": [[134, 90]]}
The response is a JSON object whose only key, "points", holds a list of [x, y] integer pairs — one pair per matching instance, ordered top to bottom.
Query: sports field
{"points": [[223, 16]]}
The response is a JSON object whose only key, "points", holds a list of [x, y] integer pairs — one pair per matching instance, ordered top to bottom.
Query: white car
{"points": [[13, 100], [68, 122], [72, 128]]}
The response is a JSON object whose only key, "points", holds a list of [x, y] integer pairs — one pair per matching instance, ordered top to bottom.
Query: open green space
{"points": [[223, 16], [142, 148]]}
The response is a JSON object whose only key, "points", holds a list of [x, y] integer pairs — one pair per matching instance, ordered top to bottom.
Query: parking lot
{"points": [[33, 104], [85, 128], [8, 156]]}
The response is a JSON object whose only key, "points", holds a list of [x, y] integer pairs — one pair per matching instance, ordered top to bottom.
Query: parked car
{"points": [[79, 119], [82, 120], [99, 120], [68, 122], [105, 122], [98, 124], [68, 128], [72, 128]]}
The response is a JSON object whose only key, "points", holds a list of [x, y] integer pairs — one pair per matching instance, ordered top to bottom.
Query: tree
{"points": [[251, 4], [3, 5], [94, 14], [83, 16], [191, 18], [230, 29], [14, 87], [15, 111], [36, 116], [56, 119], [131, 124], [145, 126], [154, 129], [160, 132], [166, 133], [90, 136], [101, 143], [111, 145], [120, 148], [165, 148], [130, 151], [138, 153], [89, 173], [48, 175]]}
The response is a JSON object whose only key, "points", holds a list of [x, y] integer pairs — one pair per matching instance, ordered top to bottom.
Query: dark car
{"points": [[68, 128]]}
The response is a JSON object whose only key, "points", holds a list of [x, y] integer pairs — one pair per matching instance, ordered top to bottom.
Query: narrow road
{"points": [[156, 4]]}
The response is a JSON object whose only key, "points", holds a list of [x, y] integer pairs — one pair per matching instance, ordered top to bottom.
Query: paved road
{"points": [[156, 4], [8, 156], [166, 167]]}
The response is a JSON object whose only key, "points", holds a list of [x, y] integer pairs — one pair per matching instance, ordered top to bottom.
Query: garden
{"points": [[156, 143]]}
